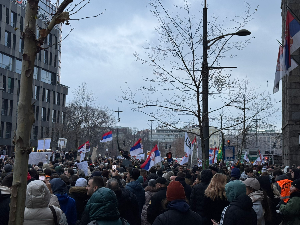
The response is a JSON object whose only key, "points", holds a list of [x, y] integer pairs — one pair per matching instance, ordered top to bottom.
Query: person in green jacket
{"points": [[102, 208], [291, 211]]}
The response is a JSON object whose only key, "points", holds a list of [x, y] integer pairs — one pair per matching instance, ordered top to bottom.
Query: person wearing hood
{"points": [[136, 188], [5, 192], [78, 193], [197, 195], [257, 197], [67, 204], [102, 208], [37, 209], [240, 209], [178, 211], [291, 211]]}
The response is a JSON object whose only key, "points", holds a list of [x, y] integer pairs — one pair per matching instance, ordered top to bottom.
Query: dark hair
{"points": [[40, 164], [152, 170], [248, 170], [71, 171], [48, 172], [277, 172], [105, 173], [135, 173], [34, 174], [65, 179], [73, 179], [7, 180], [97, 181]]}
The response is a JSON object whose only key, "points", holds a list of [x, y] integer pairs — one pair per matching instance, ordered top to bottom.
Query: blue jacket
{"points": [[136, 188]]}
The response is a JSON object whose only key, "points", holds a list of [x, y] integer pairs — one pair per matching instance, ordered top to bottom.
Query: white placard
{"points": [[83, 166]]}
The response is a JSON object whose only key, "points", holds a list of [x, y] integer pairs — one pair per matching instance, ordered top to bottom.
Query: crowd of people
{"points": [[116, 193]]}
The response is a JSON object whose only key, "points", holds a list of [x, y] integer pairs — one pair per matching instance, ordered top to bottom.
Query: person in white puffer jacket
{"points": [[37, 210]]}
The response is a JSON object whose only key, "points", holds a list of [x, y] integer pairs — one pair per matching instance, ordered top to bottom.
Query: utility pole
{"points": [[256, 121], [151, 133]]}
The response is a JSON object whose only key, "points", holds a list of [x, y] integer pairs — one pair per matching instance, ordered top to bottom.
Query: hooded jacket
{"points": [[136, 188], [79, 194], [257, 197], [67, 204], [155, 204], [240, 209], [37, 211], [291, 211], [178, 213]]}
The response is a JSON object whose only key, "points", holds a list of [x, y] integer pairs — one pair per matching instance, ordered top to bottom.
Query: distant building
{"points": [[49, 96]]}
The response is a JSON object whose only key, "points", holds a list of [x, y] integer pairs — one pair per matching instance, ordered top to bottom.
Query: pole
{"points": [[205, 74]]}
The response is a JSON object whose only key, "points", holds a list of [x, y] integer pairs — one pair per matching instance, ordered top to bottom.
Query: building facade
{"points": [[49, 96]]}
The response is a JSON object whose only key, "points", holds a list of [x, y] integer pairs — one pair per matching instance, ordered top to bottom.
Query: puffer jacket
{"points": [[136, 188], [79, 194], [148, 195], [257, 197], [102, 208], [37, 211], [291, 211]]}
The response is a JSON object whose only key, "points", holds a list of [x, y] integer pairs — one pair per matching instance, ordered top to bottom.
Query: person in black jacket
{"points": [[187, 188], [5, 193], [197, 195], [127, 202], [155, 205], [240, 209], [179, 211]]}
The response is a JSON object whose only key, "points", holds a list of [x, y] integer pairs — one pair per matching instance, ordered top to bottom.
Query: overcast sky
{"points": [[100, 50]]}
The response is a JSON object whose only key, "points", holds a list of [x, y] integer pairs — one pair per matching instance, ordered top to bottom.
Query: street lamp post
{"points": [[205, 76]]}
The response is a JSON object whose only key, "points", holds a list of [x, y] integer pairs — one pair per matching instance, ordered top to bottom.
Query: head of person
{"points": [[180, 169], [213, 169], [70, 172], [249, 172], [235, 173], [295, 173], [134, 174], [206, 176], [8, 180], [81, 182], [161, 182], [94, 184], [113, 184], [252, 185], [58, 186], [295, 186], [216, 187], [234, 189], [175, 191], [37, 195]]}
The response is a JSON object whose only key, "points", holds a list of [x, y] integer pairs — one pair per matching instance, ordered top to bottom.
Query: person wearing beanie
{"points": [[235, 174], [178, 211], [291, 211]]}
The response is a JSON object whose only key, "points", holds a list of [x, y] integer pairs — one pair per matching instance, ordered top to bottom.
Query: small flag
{"points": [[107, 137], [187, 144], [84, 148], [137, 148], [246, 158], [184, 159]]}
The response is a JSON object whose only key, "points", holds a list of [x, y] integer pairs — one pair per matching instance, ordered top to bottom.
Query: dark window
{"points": [[7, 15], [1, 19], [13, 19], [21, 23], [7, 39], [55, 39], [50, 40], [14, 41], [21, 45], [40, 57], [45, 57], [50, 60], [55, 60], [18, 66], [53, 78], [4, 83], [10, 85], [18, 87], [37, 92], [44, 94], [47, 95], [54, 98], [58, 99], [63, 100], [11, 106], [4, 107], [37, 111], [43, 114], [48, 115], [58, 115], [54, 116], [2, 129], [8, 130], [35, 132], [42, 132]]}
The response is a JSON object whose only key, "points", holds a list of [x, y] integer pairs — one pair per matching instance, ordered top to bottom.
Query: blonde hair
{"points": [[216, 187]]}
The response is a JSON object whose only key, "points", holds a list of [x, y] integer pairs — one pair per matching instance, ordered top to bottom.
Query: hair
{"points": [[248, 170], [71, 171], [48, 172], [277, 172], [135, 173], [65, 179], [8, 180], [98, 181], [113, 184], [216, 187]]}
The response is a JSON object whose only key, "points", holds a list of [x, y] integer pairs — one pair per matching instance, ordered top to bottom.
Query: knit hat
{"points": [[8, 168], [236, 173], [81, 182], [253, 183], [296, 184], [175, 191]]}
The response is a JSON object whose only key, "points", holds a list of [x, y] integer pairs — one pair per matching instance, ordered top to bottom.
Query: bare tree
{"points": [[175, 89]]}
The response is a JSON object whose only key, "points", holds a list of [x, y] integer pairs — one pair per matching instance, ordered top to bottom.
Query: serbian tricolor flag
{"points": [[292, 41], [107, 137], [84, 148], [137, 148], [153, 158]]}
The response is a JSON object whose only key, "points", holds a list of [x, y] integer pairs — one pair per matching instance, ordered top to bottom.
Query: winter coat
{"points": [[136, 188], [187, 188], [79, 194], [148, 195], [197, 197], [257, 197], [67, 204], [4, 205], [128, 206], [155, 207], [102, 208], [212, 209], [37, 211], [291, 211], [239, 212], [178, 213]]}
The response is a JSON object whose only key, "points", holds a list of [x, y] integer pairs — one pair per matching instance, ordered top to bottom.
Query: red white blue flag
{"points": [[107, 137], [137, 148], [153, 158]]}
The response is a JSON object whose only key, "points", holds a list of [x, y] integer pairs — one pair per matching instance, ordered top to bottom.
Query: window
{"points": [[7, 16], [1, 19], [13, 19], [21, 24], [7, 39], [55, 39], [50, 40], [14, 41], [21, 45], [40, 56], [45, 57], [50, 60], [55, 60], [5, 62], [18, 66], [35, 73], [46, 76], [53, 78], [4, 83], [10, 85], [18, 89], [37, 92], [44, 94], [47, 95], [54, 98], [58, 99], [63, 100], [11, 106], [4, 107], [37, 111], [43, 114], [48, 115], [58, 115], [53, 116], [63, 117], [2, 129], [8, 130], [35, 132], [42, 132]]}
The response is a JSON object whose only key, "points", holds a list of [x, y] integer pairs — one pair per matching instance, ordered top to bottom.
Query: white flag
{"points": [[187, 145], [246, 158], [184, 159]]}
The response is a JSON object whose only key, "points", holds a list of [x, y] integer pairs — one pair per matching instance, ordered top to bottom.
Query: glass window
{"points": [[7, 15], [13, 19], [1, 20], [21, 23], [7, 39], [55, 39], [50, 40], [14, 41], [21, 45], [46, 57], [50, 60], [55, 60], [6, 62], [18, 66], [35, 73], [46, 76], [53, 78], [4, 83], [10, 85], [37, 92], [44, 94], [47, 95], [54, 97], [58, 99], [63, 100], [11, 106], [4, 107], [37, 111], [43, 114], [48, 115], [58, 115], [53, 116], [2, 129], [8, 130], [35, 132], [42, 132]]}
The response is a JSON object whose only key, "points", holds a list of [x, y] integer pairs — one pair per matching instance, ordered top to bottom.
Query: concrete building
{"points": [[49, 96]]}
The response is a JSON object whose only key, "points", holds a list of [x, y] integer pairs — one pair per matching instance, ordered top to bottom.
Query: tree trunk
{"points": [[25, 118]]}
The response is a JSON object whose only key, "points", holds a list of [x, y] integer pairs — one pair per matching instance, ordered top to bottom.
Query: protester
{"points": [[94, 184], [187, 188], [150, 190], [5, 192]]}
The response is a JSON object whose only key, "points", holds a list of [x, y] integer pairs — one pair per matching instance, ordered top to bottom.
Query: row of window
{"points": [[46, 96], [7, 107], [46, 115], [7, 130]]}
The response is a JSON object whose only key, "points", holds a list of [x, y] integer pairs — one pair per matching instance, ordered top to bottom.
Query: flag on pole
{"points": [[280, 69], [107, 137], [194, 141], [187, 144], [84, 148], [137, 148], [220, 153], [153, 158], [246, 158], [184, 159]]}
